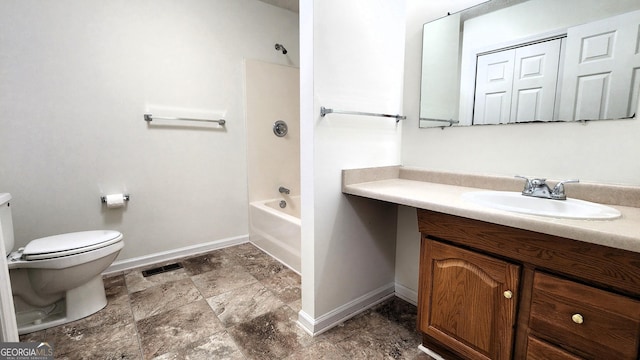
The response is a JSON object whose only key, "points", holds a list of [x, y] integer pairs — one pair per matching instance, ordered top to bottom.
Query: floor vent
{"points": [[162, 269]]}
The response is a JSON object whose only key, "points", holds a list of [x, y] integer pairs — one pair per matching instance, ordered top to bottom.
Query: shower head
{"points": [[279, 47]]}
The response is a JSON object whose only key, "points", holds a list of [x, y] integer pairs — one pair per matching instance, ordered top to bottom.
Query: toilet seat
{"points": [[56, 246]]}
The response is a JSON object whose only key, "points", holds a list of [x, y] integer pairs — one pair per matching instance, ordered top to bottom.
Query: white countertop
{"points": [[621, 233]]}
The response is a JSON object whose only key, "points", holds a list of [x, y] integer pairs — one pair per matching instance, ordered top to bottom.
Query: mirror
{"points": [[514, 61]]}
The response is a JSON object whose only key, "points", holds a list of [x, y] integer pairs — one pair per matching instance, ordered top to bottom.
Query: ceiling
{"points": [[291, 5]]}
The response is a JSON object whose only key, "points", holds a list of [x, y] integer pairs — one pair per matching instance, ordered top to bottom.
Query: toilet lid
{"points": [[69, 244]]}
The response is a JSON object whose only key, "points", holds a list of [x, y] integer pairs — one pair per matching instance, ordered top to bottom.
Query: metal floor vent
{"points": [[162, 269]]}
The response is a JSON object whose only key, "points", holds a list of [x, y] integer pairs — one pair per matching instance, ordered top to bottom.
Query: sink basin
{"points": [[566, 209]]}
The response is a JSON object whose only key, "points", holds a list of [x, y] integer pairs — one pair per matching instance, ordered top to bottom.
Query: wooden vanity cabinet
{"points": [[489, 291], [470, 305]]}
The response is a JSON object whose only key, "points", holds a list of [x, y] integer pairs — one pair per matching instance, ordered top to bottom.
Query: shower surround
{"points": [[273, 95]]}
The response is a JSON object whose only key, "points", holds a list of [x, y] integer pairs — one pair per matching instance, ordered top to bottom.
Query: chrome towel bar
{"points": [[324, 111], [149, 117], [451, 122]]}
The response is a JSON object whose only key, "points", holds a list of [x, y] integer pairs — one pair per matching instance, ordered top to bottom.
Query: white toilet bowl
{"points": [[57, 279]]}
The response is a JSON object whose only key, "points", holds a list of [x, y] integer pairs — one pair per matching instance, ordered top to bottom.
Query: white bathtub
{"points": [[277, 230]]}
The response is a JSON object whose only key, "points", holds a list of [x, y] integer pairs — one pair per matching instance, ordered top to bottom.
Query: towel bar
{"points": [[324, 111], [150, 117]]}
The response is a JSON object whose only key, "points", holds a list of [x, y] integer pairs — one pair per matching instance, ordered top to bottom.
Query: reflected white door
{"points": [[602, 69], [535, 81], [494, 83], [517, 85]]}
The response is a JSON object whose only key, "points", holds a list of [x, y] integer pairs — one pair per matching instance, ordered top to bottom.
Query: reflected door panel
{"points": [[601, 69], [494, 83], [517, 85], [534, 86]]}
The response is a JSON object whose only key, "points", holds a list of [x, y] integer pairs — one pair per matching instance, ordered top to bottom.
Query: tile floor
{"points": [[233, 303]]}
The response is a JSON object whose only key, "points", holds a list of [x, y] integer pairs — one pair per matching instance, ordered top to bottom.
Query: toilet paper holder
{"points": [[103, 199]]}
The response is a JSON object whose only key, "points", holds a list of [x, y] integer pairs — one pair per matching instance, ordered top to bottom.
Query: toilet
{"points": [[57, 279]]}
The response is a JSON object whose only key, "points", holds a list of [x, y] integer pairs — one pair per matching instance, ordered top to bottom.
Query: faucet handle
{"points": [[538, 182], [527, 184], [558, 190]]}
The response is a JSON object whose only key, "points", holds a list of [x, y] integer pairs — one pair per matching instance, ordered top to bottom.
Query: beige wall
{"points": [[77, 77], [272, 93]]}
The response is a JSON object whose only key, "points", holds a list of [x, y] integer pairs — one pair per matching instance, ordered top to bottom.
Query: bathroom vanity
{"points": [[500, 285], [525, 294]]}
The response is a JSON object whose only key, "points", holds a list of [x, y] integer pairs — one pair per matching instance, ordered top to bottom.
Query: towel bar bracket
{"points": [[450, 121]]}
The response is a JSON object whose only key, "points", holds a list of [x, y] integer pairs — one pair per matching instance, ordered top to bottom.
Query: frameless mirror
{"points": [[514, 61]]}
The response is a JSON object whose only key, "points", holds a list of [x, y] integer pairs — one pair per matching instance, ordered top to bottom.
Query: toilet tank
{"points": [[6, 222]]}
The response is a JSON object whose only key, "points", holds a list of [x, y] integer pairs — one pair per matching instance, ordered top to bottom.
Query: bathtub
{"points": [[276, 230]]}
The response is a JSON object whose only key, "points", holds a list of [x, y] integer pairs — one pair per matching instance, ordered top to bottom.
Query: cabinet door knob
{"points": [[508, 294], [577, 318]]}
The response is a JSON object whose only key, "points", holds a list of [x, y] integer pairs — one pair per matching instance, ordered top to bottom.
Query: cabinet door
{"points": [[467, 300], [540, 350]]}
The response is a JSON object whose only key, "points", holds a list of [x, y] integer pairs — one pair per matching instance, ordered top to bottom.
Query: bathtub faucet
{"points": [[284, 190]]}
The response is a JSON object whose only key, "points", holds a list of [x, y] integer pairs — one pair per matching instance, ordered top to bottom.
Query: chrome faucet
{"points": [[539, 188], [284, 190]]}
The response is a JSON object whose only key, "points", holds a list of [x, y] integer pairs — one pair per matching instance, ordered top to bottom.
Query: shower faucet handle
{"points": [[280, 128]]}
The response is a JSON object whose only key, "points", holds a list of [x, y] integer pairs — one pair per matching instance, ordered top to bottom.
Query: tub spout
{"points": [[284, 190]]}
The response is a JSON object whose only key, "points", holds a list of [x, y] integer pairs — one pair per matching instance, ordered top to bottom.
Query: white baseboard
{"points": [[127, 264], [406, 294], [341, 314], [430, 352]]}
